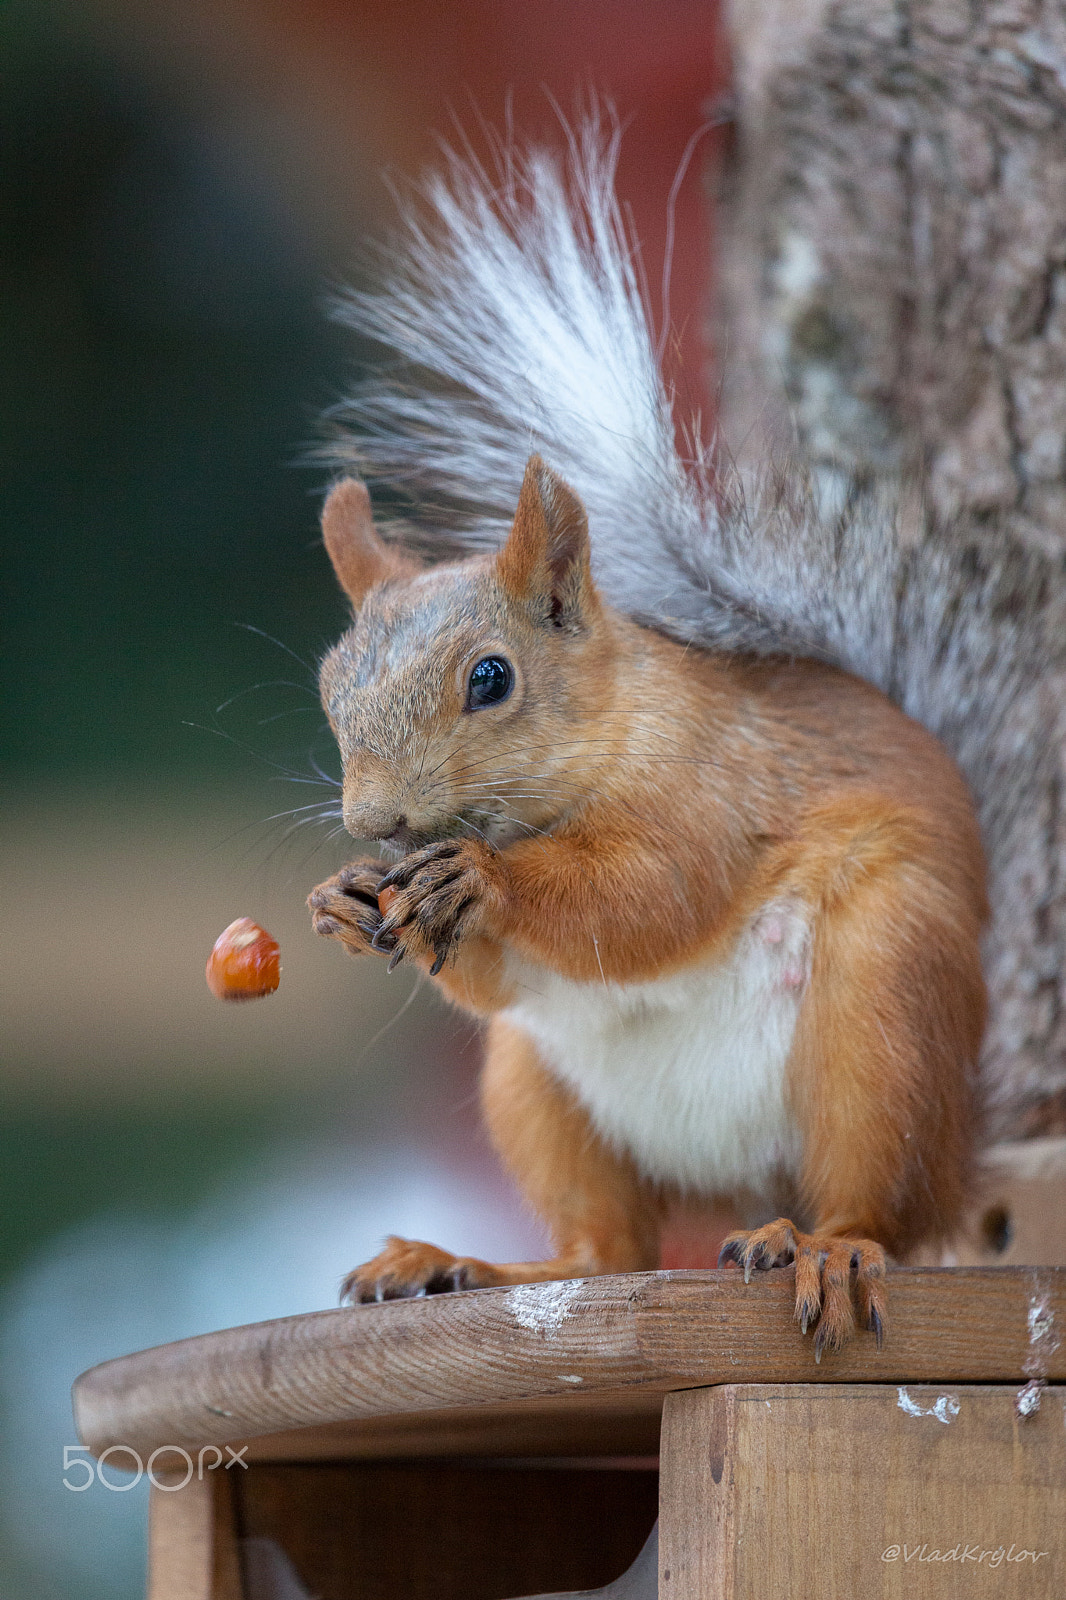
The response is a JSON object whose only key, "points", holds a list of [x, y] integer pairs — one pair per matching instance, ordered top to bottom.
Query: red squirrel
{"points": [[648, 751], [723, 913]]}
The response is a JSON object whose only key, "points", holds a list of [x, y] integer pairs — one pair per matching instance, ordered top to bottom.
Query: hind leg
{"points": [[882, 1070]]}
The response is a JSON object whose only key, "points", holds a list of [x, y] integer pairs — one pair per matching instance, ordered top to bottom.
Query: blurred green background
{"points": [[164, 357]]}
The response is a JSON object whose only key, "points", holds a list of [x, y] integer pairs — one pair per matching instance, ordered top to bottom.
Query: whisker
{"points": [[250, 627], [267, 683], [295, 711], [221, 733], [609, 750], [453, 752], [324, 776], [316, 783], [578, 794], [324, 807], [323, 813], [519, 822], [468, 824], [315, 849], [415, 990]]}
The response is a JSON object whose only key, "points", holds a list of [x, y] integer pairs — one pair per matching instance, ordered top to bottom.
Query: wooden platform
{"points": [[528, 1369], [503, 1441]]}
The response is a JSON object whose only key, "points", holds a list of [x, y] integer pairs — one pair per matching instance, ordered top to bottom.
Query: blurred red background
{"points": [[390, 80]]}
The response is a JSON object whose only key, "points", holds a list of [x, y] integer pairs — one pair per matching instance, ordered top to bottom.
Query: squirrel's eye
{"points": [[491, 681]]}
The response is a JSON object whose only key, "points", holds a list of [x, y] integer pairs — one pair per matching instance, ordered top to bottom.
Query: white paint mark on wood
{"points": [[543, 1307], [1041, 1321], [1043, 1339], [1028, 1400], [908, 1405], [943, 1408]]}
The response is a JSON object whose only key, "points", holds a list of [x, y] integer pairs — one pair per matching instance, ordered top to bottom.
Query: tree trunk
{"points": [[892, 300]]}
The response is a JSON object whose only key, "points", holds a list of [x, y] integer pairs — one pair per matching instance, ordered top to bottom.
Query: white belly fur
{"points": [[686, 1073]]}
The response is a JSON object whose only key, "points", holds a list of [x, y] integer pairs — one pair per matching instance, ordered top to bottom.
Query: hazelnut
{"points": [[245, 962]]}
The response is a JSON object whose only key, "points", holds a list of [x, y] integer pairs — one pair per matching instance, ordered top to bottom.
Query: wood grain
{"points": [[628, 1334], [845, 1490]]}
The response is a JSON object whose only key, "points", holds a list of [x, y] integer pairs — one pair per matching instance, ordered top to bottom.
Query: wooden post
{"points": [[772, 1491], [192, 1541]]}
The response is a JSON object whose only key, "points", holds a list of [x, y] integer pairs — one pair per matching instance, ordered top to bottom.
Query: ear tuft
{"points": [[359, 555], [546, 558]]}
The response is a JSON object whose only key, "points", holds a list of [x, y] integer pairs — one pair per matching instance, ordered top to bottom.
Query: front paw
{"points": [[441, 895], [345, 907], [824, 1265], [407, 1269]]}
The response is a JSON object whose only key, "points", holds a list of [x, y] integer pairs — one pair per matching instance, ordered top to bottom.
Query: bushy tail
{"points": [[512, 319]]}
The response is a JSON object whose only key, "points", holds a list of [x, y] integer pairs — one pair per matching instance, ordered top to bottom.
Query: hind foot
{"points": [[826, 1298]]}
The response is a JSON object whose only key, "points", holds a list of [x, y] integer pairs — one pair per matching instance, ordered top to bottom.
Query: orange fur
{"points": [[359, 556], [650, 801]]}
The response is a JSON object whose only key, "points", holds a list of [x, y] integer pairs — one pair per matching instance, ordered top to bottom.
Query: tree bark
{"points": [[892, 301]]}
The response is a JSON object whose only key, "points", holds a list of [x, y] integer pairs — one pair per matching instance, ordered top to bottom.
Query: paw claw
{"points": [[440, 892], [731, 1250], [409, 1270], [835, 1279]]}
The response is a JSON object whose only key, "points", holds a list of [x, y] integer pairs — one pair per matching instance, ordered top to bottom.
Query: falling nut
{"points": [[245, 962]]}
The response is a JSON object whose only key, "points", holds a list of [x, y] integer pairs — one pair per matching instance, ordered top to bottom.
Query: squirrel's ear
{"points": [[359, 555], [546, 557]]}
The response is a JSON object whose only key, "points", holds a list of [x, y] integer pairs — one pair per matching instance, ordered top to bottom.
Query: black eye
{"points": [[491, 681]]}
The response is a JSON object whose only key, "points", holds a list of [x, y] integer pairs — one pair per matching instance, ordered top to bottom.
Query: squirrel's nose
{"points": [[375, 802], [365, 821]]}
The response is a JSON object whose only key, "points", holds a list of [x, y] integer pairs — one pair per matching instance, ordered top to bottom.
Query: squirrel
{"points": [[653, 758]]}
